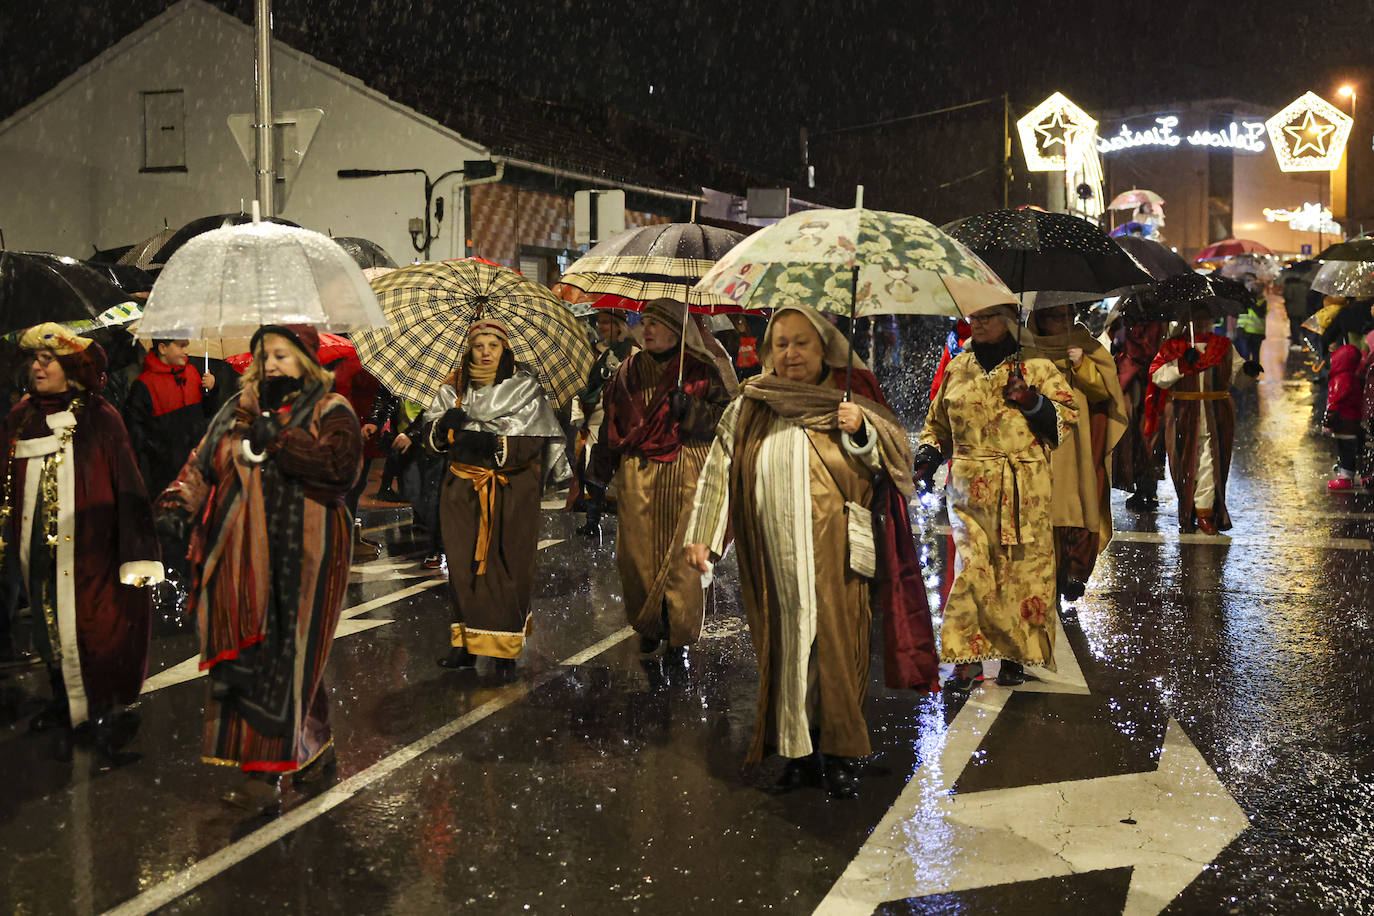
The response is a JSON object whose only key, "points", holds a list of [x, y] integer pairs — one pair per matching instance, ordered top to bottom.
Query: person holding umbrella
{"points": [[614, 345], [1189, 398], [998, 415], [658, 428], [499, 438], [1138, 459], [1081, 466], [800, 471], [262, 499], [76, 528]]}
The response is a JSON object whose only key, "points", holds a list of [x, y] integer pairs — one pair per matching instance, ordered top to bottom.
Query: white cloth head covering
{"points": [[837, 349]]}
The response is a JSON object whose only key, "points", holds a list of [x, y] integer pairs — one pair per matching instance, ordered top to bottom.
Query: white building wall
{"points": [[71, 161]]}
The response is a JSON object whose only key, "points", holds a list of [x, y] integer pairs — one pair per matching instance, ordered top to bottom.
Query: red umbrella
{"points": [[1227, 248], [574, 296], [333, 347]]}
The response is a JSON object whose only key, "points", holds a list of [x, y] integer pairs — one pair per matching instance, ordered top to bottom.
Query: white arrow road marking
{"points": [[189, 670], [932, 841]]}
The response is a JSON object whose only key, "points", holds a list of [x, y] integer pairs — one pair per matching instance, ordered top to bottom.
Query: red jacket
{"points": [[1344, 390], [166, 414]]}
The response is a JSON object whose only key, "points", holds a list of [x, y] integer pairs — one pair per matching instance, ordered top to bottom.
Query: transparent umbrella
{"points": [[1345, 278], [230, 281]]}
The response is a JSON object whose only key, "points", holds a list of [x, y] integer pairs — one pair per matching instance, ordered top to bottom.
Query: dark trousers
{"points": [[356, 493]]}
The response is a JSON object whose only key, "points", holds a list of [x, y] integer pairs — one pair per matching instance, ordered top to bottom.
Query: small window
{"points": [[164, 131]]}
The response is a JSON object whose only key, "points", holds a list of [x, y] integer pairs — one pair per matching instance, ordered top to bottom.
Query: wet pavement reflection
{"points": [[1207, 747]]}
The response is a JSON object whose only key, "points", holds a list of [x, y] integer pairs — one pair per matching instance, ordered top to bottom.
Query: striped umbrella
{"points": [[663, 261], [429, 308]]}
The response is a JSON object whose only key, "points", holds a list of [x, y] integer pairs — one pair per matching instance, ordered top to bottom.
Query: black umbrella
{"points": [[206, 223], [1361, 249], [1032, 250], [366, 252], [1159, 261], [126, 276], [36, 287], [1177, 296]]}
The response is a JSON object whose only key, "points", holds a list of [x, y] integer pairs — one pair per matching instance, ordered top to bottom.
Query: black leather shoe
{"points": [[1139, 503], [592, 527], [1073, 590], [652, 646], [458, 657], [1013, 674], [964, 677], [54, 715], [797, 773], [840, 778]]}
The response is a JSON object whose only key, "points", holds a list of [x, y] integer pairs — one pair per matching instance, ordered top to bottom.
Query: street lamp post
{"points": [[421, 241]]}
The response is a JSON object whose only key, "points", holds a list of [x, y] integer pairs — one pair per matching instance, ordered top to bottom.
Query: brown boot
{"points": [[1205, 523], [362, 546]]}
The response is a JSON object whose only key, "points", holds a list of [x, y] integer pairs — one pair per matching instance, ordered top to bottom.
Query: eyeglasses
{"points": [[983, 319], [43, 359]]}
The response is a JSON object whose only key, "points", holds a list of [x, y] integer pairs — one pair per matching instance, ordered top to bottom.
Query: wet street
{"points": [[1206, 746]]}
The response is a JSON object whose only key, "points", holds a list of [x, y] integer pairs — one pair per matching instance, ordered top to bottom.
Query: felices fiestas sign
{"points": [[1245, 136]]}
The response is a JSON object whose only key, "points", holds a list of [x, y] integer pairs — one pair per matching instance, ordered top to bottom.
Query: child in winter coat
{"points": [[1344, 410]]}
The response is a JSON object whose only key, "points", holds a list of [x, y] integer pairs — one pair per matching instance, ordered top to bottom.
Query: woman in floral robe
{"points": [[998, 415]]}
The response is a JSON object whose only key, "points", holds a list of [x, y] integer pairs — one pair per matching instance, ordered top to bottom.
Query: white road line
{"points": [[1284, 540], [190, 878]]}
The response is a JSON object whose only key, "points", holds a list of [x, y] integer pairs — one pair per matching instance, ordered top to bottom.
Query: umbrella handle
{"points": [[853, 310], [682, 343]]}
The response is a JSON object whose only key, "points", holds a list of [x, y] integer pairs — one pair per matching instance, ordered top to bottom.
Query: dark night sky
{"points": [[750, 74]]}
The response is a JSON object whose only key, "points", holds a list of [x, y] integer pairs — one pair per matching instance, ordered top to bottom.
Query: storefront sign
{"points": [[1309, 135], [1247, 136], [1307, 218]]}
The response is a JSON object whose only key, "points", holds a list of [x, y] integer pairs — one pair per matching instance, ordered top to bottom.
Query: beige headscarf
{"points": [[671, 313], [837, 350]]}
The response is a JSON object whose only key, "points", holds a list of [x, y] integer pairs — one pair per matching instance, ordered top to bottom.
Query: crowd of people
{"points": [[779, 445]]}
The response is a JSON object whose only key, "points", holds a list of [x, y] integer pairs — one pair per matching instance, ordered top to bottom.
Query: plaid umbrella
{"points": [[429, 308]]}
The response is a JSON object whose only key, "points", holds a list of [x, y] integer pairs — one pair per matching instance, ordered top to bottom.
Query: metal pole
{"points": [[264, 161], [1007, 168]]}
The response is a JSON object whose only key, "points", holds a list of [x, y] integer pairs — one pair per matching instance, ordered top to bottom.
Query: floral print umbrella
{"points": [[857, 263]]}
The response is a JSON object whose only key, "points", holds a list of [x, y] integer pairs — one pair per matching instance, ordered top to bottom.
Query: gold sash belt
{"points": [[1200, 395]]}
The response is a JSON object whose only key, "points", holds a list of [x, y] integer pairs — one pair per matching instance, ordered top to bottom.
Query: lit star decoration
{"points": [[1053, 132], [1309, 135]]}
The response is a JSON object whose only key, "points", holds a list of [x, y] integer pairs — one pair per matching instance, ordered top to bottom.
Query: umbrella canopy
{"points": [[1129, 200], [200, 226], [1227, 248], [1360, 249], [1033, 251], [365, 252], [141, 254], [1159, 261], [652, 262], [857, 262], [1264, 267], [127, 277], [1354, 279], [229, 282], [37, 287], [1178, 295], [430, 306], [333, 347]]}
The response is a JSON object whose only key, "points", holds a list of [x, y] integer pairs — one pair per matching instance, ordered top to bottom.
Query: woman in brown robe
{"points": [[498, 438], [654, 440], [1080, 467], [796, 468], [263, 500], [76, 527]]}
